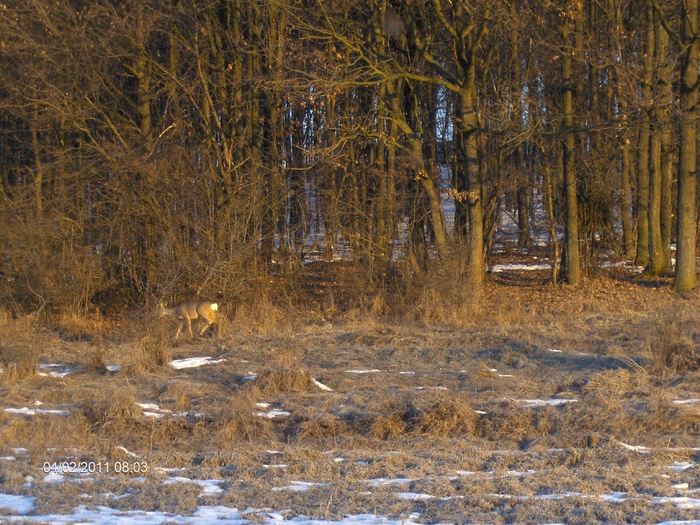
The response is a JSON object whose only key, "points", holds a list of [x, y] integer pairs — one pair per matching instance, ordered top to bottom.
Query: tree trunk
{"points": [[643, 145], [667, 147], [625, 162], [38, 166], [573, 261], [656, 262], [686, 278]]}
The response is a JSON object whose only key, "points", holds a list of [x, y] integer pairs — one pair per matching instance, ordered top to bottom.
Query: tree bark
{"points": [[573, 259], [656, 262], [686, 271]]}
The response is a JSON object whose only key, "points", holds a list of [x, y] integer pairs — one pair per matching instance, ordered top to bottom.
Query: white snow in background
{"points": [[497, 268], [193, 362], [113, 368], [54, 370], [373, 371], [499, 374], [321, 385], [685, 401], [533, 403], [153, 410], [34, 411], [276, 412], [271, 414], [635, 448], [680, 466], [54, 477], [380, 482], [300, 486], [209, 487], [413, 496], [681, 502], [16, 504], [22, 506], [209, 515]]}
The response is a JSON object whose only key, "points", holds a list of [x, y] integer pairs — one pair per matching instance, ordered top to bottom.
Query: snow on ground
{"points": [[497, 268], [193, 362], [54, 370], [321, 385], [533, 403], [153, 410], [34, 411], [272, 413], [300, 486], [209, 487], [16, 504], [22, 506], [205, 515]]}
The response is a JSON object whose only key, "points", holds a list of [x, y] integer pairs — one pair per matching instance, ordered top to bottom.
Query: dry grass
{"points": [[261, 314], [77, 327], [674, 346], [151, 353], [17, 362], [272, 382], [445, 386], [115, 412], [437, 414], [244, 424]]}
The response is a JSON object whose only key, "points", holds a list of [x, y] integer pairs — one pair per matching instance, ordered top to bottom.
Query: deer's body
{"points": [[191, 311]]}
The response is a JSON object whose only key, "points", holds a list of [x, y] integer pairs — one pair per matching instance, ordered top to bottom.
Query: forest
{"points": [[156, 148], [417, 261]]}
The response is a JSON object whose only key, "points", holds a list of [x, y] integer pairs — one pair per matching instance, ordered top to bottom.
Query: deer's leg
{"points": [[207, 325], [189, 326], [179, 329]]}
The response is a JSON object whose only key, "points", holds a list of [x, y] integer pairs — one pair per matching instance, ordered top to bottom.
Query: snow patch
{"points": [[497, 268], [194, 362], [54, 370], [321, 385], [534, 403], [34, 411], [300, 486], [210, 487], [16, 504]]}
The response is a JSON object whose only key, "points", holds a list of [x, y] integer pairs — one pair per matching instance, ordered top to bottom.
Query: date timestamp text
{"points": [[92, 467]]}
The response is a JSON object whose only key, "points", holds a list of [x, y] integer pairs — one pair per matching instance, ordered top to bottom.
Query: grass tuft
{"points": [[673, 348], [150, 354], [18, 363], [271, 382], [116, 411], [434, 414], [244, 424]]}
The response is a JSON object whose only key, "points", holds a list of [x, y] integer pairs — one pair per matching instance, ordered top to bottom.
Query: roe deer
{"points": [[191, 311]]}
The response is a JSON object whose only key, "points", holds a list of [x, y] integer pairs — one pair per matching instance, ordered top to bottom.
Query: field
{"points": [[534, 404]]}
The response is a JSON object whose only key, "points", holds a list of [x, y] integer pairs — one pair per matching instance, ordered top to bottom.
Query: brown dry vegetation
{"points": [[445, 401]]}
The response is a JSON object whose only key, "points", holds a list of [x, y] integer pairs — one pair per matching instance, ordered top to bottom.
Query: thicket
{"points": [[157, 149]]}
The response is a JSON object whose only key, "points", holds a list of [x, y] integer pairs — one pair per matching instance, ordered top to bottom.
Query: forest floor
{"points": [[541, 405]]}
